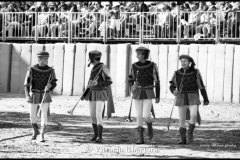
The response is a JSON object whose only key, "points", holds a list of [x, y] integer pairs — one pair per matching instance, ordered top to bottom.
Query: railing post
{"points": [[178, 26], [3, 27], [36, 27], [70, 28], [218, 28], [105, 29], [141, 30]]}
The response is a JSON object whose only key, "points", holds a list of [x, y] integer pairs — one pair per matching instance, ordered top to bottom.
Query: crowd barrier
{"points": [[131, 26], [218, 64]]}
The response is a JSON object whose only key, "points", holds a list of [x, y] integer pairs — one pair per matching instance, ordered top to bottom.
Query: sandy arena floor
{"points": [[68, 136]]}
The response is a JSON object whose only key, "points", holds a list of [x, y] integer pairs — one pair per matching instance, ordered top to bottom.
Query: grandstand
{"points": [[109, 22]]}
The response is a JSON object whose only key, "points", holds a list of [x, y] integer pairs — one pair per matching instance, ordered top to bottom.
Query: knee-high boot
{"points": [[100, 130], [150, 130], [35, 131], [42, 132], [95, 132], [190, 132], [140, 135], [183, 135]]}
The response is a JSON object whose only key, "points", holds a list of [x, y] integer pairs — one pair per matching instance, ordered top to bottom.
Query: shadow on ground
{"points": [[78, 129]]}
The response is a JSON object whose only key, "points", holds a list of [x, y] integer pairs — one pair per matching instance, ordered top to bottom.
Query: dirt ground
{"points": [[68, 136]]}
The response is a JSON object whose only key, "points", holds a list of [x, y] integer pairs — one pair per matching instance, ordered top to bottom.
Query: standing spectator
{"points": [[123, 20], [115, 21], [105, 25]]}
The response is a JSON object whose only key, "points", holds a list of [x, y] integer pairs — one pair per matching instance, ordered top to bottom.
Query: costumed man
{"points": [[144, 74], [39, 79], [185, 85], [99, 92]]}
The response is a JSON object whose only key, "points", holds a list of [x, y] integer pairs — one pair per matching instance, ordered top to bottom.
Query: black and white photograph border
{"points": [[116, 79]]}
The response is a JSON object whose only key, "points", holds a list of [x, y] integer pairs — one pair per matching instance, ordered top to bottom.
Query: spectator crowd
{"points": [[161, 19]]}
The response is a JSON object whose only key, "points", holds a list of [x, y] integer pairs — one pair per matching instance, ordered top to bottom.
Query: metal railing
{"points": [[18, 25], [198, 25], [87, 26], [127, 26], [229, 28]]}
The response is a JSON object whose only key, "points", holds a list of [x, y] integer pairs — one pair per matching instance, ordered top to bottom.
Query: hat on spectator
{"points": [[144, 51], [43, 54]]}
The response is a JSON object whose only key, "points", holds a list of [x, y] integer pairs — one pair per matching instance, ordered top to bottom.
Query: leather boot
{"points": [[100, 129], [150, 130], [35, 131], [42, 131], [95, 132], [190, 132], [140, 135], [183, 135]]}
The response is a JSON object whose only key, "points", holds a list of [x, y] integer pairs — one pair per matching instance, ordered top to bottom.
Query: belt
{"points": [[146, 87]]}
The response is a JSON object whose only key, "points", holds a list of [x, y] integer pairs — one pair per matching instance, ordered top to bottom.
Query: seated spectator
{"points": [[64, 17], [53, 18], [42, 22], [91, 22], [192, 23], [208, 23]]}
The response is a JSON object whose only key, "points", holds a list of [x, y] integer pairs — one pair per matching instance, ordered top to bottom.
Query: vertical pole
{"points": [[178, 25], [4, 27], [36, 27], [70, 28], [105, 29], [140, 30], [217, 40]]}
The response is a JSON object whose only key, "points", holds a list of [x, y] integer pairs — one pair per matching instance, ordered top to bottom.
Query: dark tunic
{"points": [[144, 75], [37, 78], [188, 84], [189, 88], [99, 92]]}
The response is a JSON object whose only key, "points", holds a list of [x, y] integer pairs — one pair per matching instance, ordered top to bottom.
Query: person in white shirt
{"points": [[193, 22]]}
